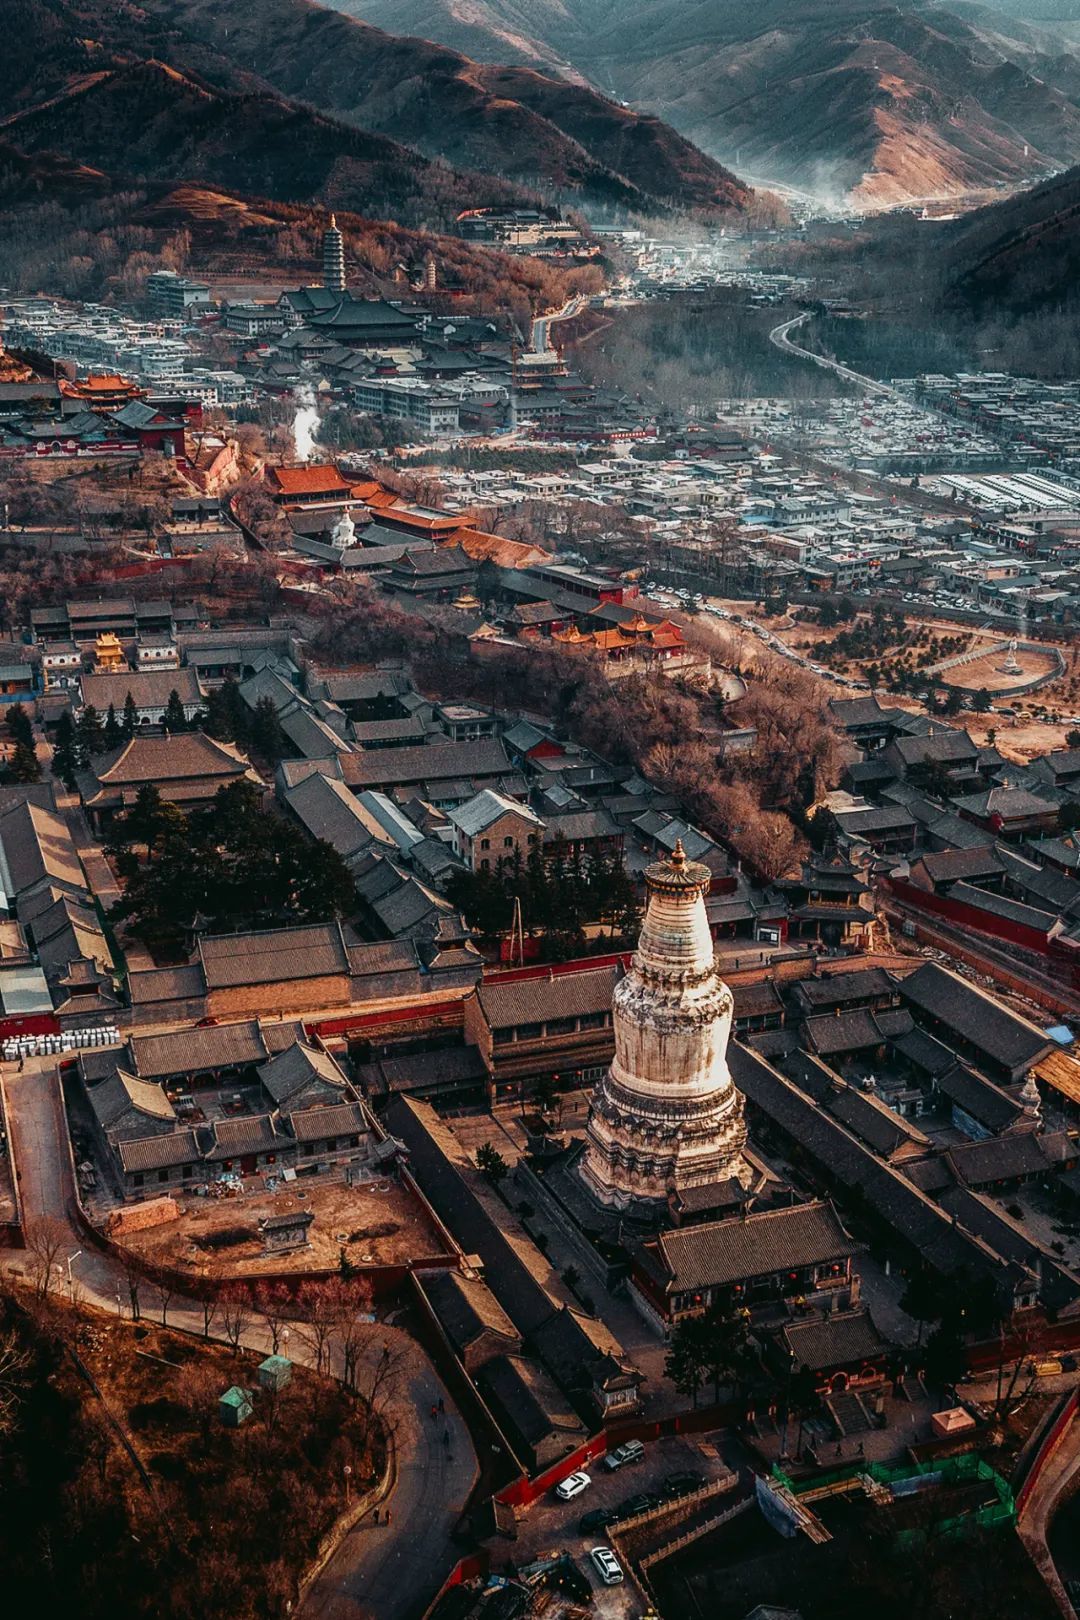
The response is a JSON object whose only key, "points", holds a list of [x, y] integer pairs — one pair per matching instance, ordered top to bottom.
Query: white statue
{"points": [[343, 534]]}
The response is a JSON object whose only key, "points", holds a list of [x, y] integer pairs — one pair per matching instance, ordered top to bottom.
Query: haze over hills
{"points": [[885, 99]]}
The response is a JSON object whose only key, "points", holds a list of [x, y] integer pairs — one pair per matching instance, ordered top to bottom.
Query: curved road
{"points": [[541, 326], [780, 337], [378, 1573]]}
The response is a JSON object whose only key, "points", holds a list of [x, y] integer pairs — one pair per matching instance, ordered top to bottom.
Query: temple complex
{"points": [[667, 1116]]}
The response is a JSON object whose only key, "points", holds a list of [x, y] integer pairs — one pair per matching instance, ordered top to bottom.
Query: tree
{"points": [[982, 701], [174, 719], [18, 724], [129, 724], [265, 730], [89, 734], [114, 736], [1072, 738], [65, 761], [23, 765], [545, 1093], [491, 1162], [45, 1240], [923, 1298], [274, 1304], [235, 1316], [724, 1347], [686, 1361]]}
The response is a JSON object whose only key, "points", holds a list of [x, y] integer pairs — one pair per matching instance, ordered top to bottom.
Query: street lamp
{"points": [[71, 1280], [118, 1311], [285, 1341], [347, 1471]]}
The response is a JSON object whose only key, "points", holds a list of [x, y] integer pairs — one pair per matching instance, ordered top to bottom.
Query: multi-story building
{"points": [[171, 294]]}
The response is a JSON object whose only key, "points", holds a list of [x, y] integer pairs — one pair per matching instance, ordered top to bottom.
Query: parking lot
{"points": [[552, 1526]]}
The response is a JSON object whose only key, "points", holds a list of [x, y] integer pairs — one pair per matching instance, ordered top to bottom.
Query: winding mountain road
{"points": [[780, 338], [384, 1572]]}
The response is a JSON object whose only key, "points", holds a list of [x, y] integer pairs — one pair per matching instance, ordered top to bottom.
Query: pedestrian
{"points": [[442, 1407], [434, 1413], [446, 1438], [376, 1515], [386, 1516]]}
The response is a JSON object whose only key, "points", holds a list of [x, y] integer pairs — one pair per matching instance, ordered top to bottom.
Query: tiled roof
{"points": [[310, 480], [149, 688], [168, 759], [435, 762], [487, 807], [35, 845], [312, 952], [833, 990], [556, 995], [975, 1017], [216, 1046], [298, 1067], [122, 1094], [319, 1124], [254, 1133], [159, 1152], [758, 1245], [466, 1308], [833, 1341]]}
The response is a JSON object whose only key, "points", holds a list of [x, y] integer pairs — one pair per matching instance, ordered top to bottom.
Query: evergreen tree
{"points": [[174, 719], [18, 723], [129, 724], [265, 731], [89, 734], [113, 734], [65, 761], [23, 765], [686, 1361]]}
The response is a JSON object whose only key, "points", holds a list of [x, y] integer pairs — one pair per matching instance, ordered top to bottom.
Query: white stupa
{"points": [[343, 534], [667, 1115]]}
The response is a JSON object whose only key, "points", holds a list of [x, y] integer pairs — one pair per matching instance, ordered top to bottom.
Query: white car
{"points": [[572, 1486], [607, 1565]]}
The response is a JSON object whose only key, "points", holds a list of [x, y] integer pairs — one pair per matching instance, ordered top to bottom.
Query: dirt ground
{"points": [[988, 672], [376, 1223]]}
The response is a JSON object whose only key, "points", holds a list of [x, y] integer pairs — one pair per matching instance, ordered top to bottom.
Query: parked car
{"points": [[631, 1452], [681, 1484], [572, 1486], [637, 1504], [597, 1519], [607, 1565]]}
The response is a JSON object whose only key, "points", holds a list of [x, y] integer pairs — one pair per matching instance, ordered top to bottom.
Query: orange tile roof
{"points": [[311, 480], [481, 546], [610, 640]]}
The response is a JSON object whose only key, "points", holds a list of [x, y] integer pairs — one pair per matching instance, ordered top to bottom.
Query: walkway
{"points": [[392, 1572]]}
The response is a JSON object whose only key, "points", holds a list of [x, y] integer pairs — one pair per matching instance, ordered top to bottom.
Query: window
{"points": [[485, 843], [508, 843], [485, 864], [592, 1020], [560, 1026], [529, 1032], [502, 1037], [163, 1175], [138, 1179]]}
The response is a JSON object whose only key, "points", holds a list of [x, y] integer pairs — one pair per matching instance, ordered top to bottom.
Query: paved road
{"points": [[541, 327], [780, 337], [1035, 1523], [389, 1573]]}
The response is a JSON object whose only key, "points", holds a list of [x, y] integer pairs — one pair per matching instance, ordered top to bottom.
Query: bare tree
{"points": [[46, 1239], [134, 1279], [165, 1288], [274, 1304], [320, 1309], [209, 1312], [235, 1316], [14, 1362]]}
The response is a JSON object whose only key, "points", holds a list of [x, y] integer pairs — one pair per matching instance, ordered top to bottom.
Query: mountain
{"points": [[882, 99], [148, 121], [542, 132], [1022, 256]]}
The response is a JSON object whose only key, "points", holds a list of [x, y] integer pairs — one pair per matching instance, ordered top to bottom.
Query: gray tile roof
{"points": [[311, 952], [548, 995], [977, 1018], [734, 1250]]}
